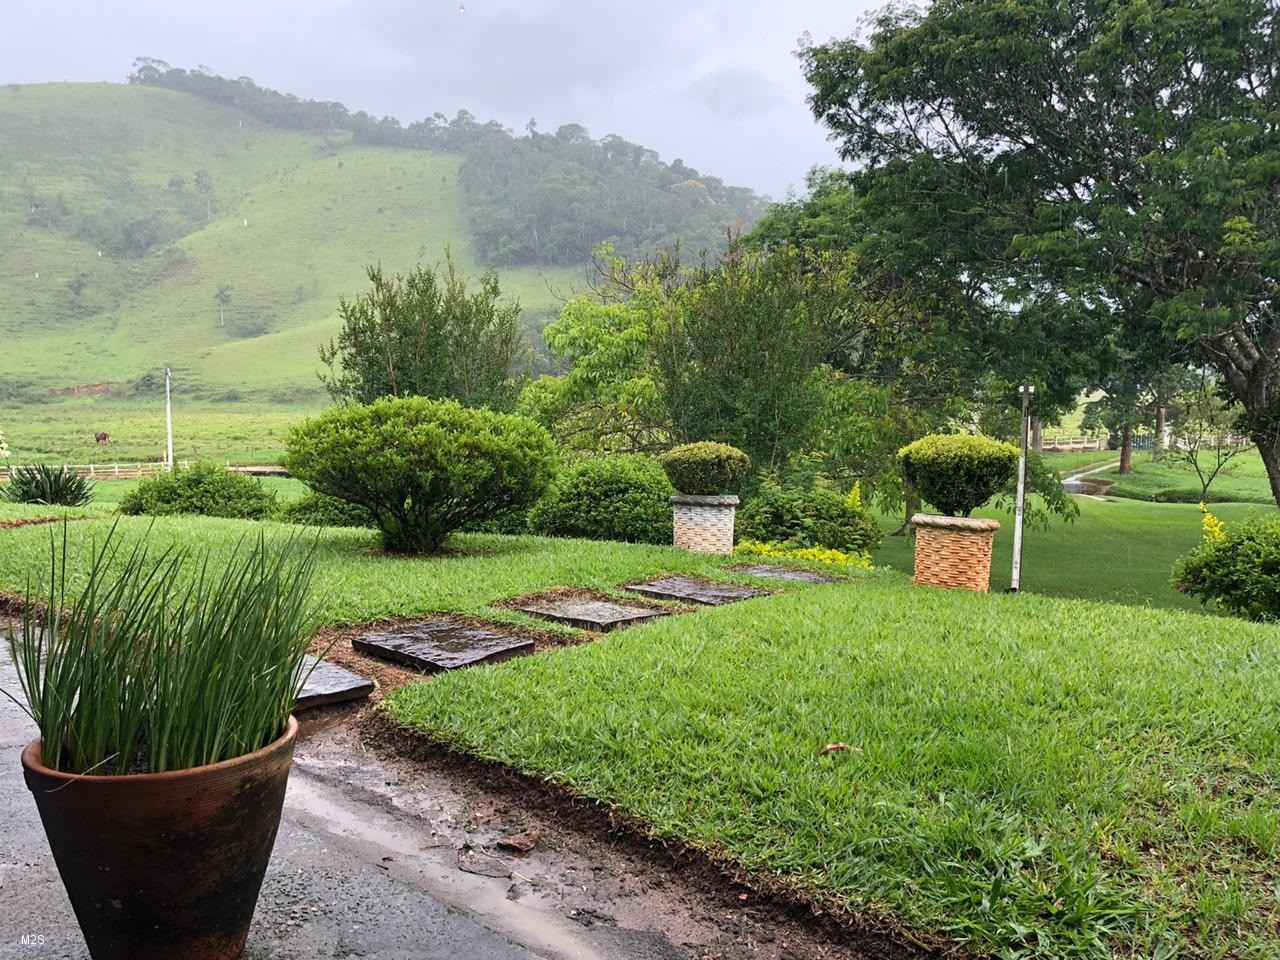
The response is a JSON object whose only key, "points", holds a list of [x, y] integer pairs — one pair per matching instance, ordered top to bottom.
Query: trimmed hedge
{"points": [[423, 468], [705, 468], [957, 472], [205, 489], [608, 498], [320, 510], [813, 518]]}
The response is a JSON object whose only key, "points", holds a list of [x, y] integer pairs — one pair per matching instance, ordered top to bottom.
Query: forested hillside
{"points": [[537, 198], [214, 233]]}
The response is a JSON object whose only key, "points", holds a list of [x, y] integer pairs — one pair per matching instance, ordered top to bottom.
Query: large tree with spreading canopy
{"points": [[1097, 161]]}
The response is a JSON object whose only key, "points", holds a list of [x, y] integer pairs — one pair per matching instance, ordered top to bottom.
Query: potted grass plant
{"points": [[956, 473], [162, 684]]}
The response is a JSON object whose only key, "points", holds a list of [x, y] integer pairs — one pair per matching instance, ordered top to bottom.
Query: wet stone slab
{"points": [[767, 571], [694, 590], [599, 615], [440, 645], [330, 683]]}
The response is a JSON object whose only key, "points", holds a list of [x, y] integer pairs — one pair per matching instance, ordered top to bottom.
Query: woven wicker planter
{"points": [[704, 524], [954, 551]]}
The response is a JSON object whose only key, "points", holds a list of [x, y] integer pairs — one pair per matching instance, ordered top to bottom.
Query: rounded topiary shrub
{"points": [[423, 468], [705, 468], [958, 473], [208, 489], [607, 498], [320, 510], [807, 518], [1237, 570]]}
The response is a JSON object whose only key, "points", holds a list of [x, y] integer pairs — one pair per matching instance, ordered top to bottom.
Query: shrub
{"points": [[423, 468], [706, 468], [958, 473], [56, 486], [209, 489], [608, 498], [319, 510], [815, 518], [776, 551], [1238, 570]]}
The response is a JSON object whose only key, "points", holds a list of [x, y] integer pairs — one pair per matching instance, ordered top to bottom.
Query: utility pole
{"points": [[1026, 391], [168, 423]]}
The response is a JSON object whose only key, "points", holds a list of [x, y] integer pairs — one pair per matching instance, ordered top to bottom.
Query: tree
{"points": [[1077, 156], [204, 187], [223, 296], [425, 335], [1205, 435]]}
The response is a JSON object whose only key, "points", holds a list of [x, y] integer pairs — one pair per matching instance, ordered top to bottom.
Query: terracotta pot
{"points": [[954, 551], [165, 865]]}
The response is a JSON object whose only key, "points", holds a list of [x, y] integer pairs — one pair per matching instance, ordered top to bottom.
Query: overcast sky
{"points": [[714, 82]]}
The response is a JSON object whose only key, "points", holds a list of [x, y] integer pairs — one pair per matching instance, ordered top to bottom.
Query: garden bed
{"points": [[1022, 775]]}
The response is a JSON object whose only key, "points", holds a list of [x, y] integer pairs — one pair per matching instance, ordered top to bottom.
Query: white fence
{"points": [[110, 471]]}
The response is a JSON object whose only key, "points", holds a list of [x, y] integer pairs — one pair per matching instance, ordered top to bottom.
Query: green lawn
{"points": [[1068, 463], [1244, 480], [1118, 550], [355, 582], [1033, 776]]}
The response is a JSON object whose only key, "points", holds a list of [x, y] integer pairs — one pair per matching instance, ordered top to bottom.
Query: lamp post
{"points": [[1026, 391], [168, 423]]}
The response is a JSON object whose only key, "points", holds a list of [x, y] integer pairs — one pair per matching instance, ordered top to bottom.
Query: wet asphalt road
{"points": [[329, 892]]}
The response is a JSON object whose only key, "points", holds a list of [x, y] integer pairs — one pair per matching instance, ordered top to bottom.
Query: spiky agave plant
{"points": [[55, 485], [165, 660]]}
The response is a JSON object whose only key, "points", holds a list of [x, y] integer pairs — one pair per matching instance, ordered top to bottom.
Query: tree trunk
{"points": [[1037, 435], [1268, 444], [1126, 450], [1158, 450], [913, 507]]}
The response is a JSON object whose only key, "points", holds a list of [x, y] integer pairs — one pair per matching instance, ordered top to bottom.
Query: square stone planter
{"points": [[704, 524], [954, 551]]}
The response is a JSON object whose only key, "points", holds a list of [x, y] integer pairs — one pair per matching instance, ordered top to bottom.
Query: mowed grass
{"points": [[1243, 480], [1117, 550], [355, 582], [1031, 776]]}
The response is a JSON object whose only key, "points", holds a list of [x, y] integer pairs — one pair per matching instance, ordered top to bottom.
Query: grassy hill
{"points": [[112, 256]]}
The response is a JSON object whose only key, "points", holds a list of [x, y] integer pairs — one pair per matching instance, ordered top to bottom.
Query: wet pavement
{"points": [[348, 879]]}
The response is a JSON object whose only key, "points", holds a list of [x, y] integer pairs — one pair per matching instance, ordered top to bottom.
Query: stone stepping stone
{"points": [[767, 571], [693, 590], [598, 615], [440, 645], [330, 683]]}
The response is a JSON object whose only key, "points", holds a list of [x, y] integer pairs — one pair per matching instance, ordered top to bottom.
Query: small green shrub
{"points": [[423, 468], [706, 469], [958, 473], [57, 486], [209, 489], [608, 498], [319, 510], [807, 518], [1237, 570]]}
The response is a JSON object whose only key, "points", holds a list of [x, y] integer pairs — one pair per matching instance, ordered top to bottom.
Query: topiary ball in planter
{"points": [[705, 468], [957, 473], [707, 477]]}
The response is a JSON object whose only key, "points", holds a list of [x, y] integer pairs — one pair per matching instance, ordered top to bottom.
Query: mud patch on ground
{"points": [[35, 521], [603, 868]]}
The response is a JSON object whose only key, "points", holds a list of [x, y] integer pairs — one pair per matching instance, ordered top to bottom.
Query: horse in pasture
{"points": [[101, 437]]}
